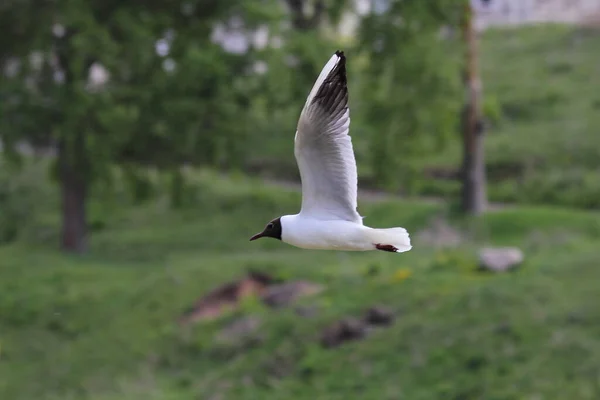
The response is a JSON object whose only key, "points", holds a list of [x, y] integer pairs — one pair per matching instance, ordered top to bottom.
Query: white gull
{"points": [[328, 219]]}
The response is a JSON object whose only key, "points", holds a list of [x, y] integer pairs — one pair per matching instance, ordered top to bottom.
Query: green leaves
{"points": [[411, 93], [165, 94], [160, 107]]}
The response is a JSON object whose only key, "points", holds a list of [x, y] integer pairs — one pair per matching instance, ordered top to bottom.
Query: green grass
{"points": [[544, 148], [103, 326]]}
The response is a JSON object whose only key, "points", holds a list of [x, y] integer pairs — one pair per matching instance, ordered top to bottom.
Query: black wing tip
{"points": [[341, 56], [340, 68], [334, 85]]}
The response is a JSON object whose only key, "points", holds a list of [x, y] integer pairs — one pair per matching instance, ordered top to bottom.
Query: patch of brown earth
{"points": [[227, 297], [351, 328]]}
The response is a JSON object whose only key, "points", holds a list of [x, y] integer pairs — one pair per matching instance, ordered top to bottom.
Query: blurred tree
{"points": [[306, 14], [137, 83], [411, 91], [474, 197]]}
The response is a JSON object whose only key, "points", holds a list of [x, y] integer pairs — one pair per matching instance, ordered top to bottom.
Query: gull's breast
{"points": [[316, 234]]}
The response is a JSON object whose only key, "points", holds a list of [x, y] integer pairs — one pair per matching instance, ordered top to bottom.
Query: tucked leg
{"points": [[386, 247]]}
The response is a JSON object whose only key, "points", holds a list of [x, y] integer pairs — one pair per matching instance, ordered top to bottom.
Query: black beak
{"points": [[257, 236]]}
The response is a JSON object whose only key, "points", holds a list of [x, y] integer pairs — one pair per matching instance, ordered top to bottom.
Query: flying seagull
{"points": [[328, 219]]}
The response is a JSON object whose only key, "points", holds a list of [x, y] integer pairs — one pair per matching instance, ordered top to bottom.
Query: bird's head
{"points": [[272, 230]]}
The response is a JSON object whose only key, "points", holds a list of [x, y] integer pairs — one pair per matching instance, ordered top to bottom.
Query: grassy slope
{"points": [[545, 147], [102, 326]]}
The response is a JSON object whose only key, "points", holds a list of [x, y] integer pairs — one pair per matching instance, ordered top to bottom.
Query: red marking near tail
{"points": [[386, 247]]}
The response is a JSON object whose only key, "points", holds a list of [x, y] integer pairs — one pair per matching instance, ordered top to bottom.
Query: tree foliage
{"points": [[175, 93], [411, 93], [170, 94]]}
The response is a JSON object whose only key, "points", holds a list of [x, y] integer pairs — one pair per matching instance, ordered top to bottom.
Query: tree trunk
{"points": [[72, 163], [73, 187], [474, 197]]}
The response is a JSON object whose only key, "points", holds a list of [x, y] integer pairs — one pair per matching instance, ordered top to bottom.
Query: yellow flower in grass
{"points": [[401, 274]]}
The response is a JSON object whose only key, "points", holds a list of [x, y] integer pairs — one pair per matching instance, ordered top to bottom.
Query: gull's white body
{"points": [[328, 219], [308, 233]]}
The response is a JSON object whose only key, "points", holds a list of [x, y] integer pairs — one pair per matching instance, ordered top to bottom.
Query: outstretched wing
{"points": [[323, 148]]}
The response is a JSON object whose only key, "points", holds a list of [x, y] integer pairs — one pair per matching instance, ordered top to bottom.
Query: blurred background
{"points": [[144, 142]]}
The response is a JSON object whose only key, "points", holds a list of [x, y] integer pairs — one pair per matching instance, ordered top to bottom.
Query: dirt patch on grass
{"points": [[269, 290]]}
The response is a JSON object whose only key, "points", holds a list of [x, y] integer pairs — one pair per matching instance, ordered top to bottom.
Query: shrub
{"points": [[20, 193]]}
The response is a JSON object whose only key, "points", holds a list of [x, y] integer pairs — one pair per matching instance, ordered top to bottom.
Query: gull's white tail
{"points": [[394, 240]]}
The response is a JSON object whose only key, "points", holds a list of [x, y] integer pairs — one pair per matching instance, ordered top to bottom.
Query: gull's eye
{"points": [[270, 226]]}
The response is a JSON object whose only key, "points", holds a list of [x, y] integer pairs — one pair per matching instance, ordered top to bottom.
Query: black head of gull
{"points": [[272, 230]]}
